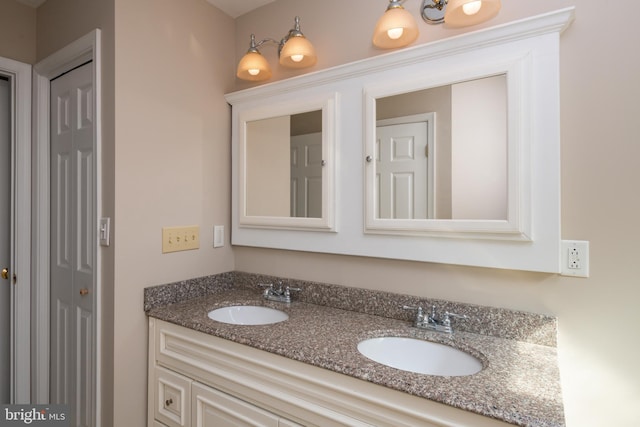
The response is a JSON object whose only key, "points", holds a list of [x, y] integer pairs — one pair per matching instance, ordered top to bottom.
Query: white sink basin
{"points": [[248, 315], [423, 357]]}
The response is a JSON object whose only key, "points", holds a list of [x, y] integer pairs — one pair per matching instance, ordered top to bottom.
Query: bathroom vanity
{"points": [[310, 173], [307, 370]]}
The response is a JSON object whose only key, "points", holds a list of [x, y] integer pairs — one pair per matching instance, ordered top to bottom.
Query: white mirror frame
{"points": [[528, 51], [462, 68], [328, 105]]}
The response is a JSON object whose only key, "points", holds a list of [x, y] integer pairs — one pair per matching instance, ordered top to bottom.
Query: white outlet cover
{"points": [[582, 258]]}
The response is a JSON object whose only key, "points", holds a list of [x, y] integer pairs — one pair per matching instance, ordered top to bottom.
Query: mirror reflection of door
{"points": [[306, 164], [402, 170], [306, 175]]}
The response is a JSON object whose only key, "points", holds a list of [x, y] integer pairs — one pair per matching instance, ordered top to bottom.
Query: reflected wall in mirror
{"points": [[441, 153], [284, 166]]}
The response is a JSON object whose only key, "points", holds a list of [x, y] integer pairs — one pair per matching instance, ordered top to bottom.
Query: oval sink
{"points": [[248, 315], [423, 357]]}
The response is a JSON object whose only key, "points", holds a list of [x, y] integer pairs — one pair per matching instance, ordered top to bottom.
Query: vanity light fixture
{"points": [[397, 28], [294, 51]]}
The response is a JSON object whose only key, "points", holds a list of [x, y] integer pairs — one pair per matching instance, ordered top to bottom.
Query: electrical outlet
{"points": [[176, 239], [575, 258], [573, 262]]}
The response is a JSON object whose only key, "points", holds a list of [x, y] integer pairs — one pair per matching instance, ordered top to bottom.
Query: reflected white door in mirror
{"points": [[446, 152]]}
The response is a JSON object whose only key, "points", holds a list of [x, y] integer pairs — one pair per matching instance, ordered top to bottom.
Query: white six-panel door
{"points": [[401, 171], [306, 175], [73, 237]]}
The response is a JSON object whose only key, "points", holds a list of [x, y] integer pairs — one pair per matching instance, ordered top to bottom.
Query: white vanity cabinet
{"points": [[197, 379], [171, 397], [176, 400], [211, 407]]}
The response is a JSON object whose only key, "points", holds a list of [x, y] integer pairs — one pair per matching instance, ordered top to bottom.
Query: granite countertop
{"points": [[519, 382]]}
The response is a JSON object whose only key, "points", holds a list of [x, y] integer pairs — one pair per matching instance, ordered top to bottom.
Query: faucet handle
{"points": [[268, 288], [288, 289], [419, 313], [447, 317]]}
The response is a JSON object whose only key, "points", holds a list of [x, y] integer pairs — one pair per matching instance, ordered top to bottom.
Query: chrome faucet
{"points": [[280, 293], [432, 321]]}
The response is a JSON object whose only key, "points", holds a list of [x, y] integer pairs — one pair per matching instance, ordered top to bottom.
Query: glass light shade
{"points": [[456, 16], [395, 28], [298, 52], [254, 67]]}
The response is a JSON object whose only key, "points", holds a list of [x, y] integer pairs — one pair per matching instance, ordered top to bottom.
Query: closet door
{"points": [[73, 243]]}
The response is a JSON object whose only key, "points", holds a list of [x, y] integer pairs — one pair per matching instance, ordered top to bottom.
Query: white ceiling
{"points": [[235, 8]]}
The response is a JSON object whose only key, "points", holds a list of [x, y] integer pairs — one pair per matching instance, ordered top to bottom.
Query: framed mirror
{"points": [[441, 154], [286, 165], [490, 166]]}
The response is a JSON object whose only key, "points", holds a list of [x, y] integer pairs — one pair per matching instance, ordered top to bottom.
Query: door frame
{"points": [[77, 53], [20, 74]]}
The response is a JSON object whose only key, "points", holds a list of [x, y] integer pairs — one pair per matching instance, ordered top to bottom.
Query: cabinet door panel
{"points": [[172, 398], [213, 408]]}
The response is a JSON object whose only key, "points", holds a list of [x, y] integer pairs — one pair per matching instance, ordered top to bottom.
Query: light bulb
{"points": [[472, 7], [395, 33], [297, 58], [253, 71]]}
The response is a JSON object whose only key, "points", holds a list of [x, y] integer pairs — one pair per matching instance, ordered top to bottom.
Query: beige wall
{"points": [[17, 31], [479, 149], [172, 163], [268, 171], [598, 316]]}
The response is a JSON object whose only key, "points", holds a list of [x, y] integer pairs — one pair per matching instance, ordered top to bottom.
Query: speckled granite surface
{"points": [[519, 382]]}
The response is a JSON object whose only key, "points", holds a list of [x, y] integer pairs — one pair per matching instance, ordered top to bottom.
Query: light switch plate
{"points": [[104, 231], [218, 236], [176, 239]]}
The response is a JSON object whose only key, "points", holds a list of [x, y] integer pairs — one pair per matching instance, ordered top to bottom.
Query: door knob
{"points": [[5, 273], [84, 291]]}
